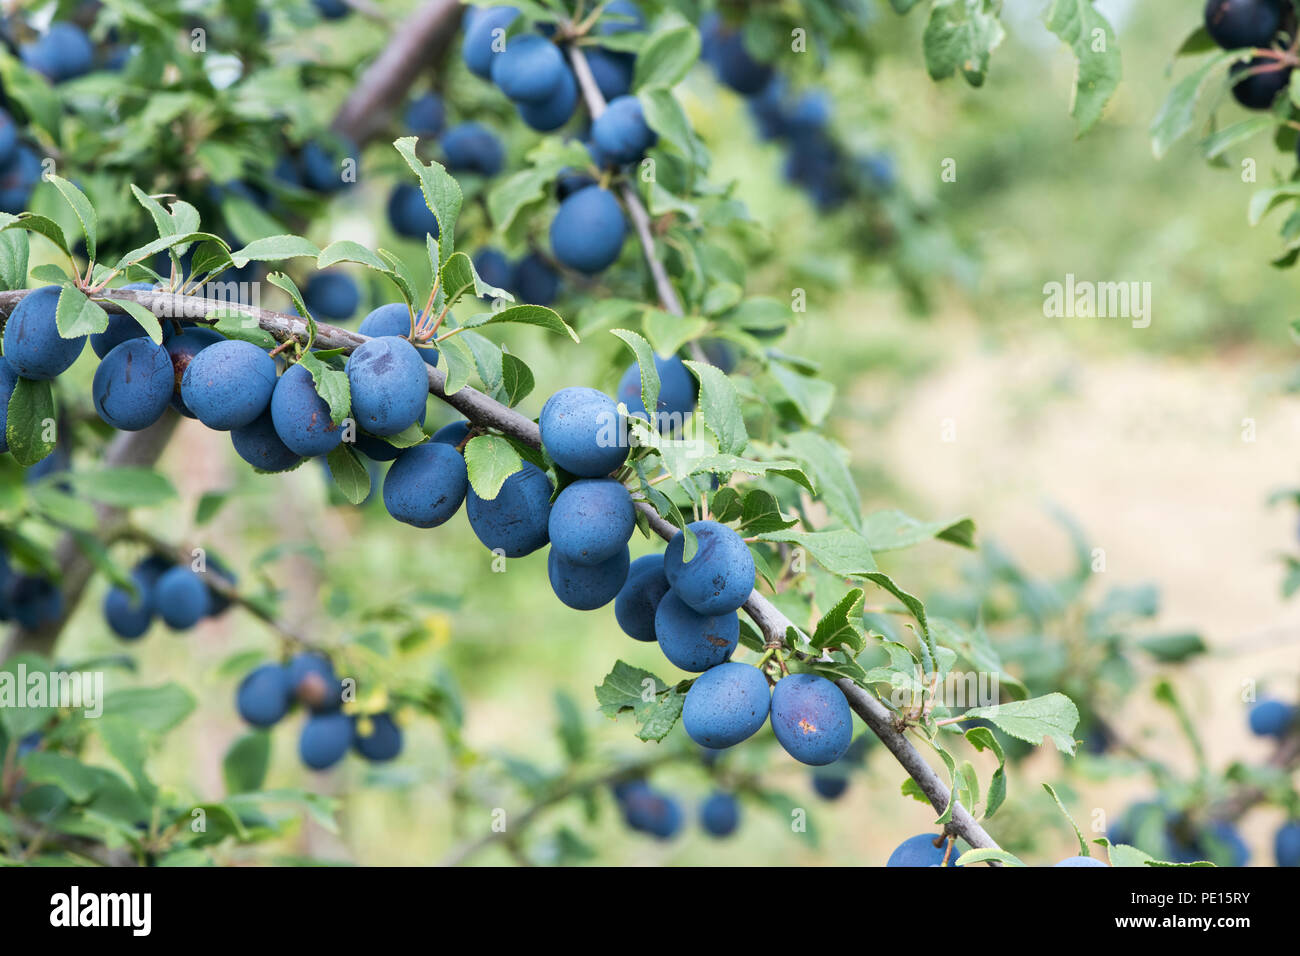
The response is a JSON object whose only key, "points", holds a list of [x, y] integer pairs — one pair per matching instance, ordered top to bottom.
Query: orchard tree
{"points": [[161, 247]]}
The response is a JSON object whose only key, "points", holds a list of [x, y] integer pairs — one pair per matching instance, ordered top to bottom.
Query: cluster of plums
{"points": [[1253, 24], [589, 227], [531, 278], [174, 593], [31, 600], [268, 692], [660, 815], [1169, 835]]}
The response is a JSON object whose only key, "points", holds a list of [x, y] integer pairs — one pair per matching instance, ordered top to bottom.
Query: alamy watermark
{"points": [[1083, 299], [73, 690]]}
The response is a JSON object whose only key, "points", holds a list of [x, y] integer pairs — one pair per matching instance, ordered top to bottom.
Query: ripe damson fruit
{"points": [[481, 24], [1234, 24], [63, 52], [528, 68], [736, 68], [612, 72], [1258, 90], [554, 111], [425, 115], [621, 132], [473, 148], [322, 165], [409, 214], [588, 230], [493, 268], [534, 281], [333, 295], [394, 319], [122, 326], [32, 344], [182, 348], [8, 379], [133, 384], [229, 384], [390, 385], [676, 399], [301, 417], [583, 432], [453, 434], [259, 444], [426, 485], [516, 521], [591, 521], [720, 575], [587, 587], [182, 598], [639, 599], [33, 601], [129, 615], [694, 642], [312, 680], [264, 695], [725, 705], [1271, 718], [811, 719], [325, 740], [383, 740], [646, 810], [720, 814], [1286, 844], [920, 851], [1071, 861]]}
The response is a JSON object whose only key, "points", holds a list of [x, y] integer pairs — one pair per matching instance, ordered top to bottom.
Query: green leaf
{"points": [[961, 35], [1096, 52], [666, 57], [1179, 108], [1220, 140], [441, 193], [81, 207], [43, 226], [15, 247], [274, 249], [344, 250], [76, 315], [538, 315], [144, 317], [235, 324], [645, 358], [516, 380], [331, 385], [720, 405], [31, 418], [490, 460], [825, 461], [350, 476], [122, 487], [759, 512], [892, 530], [840, 552], [841, 626], [1173, 648], [655, 705], [155, 709], [1053, 716], [981, 738], [246, 762], [71, 776], [1083, 844], [971, 857]]}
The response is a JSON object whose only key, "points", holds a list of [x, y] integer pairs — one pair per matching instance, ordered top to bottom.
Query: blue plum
{"points": [[332, 9], [620, 16], [481, 24], [1234, 24], [63, 52], [736, 67], [529, 68], [612, 72], [1258, 90], [555, 110], [425, 115], [621, 131], [8, 137], [473, 148], [322, 164], [18, 177], [409, 214], [588, 230], [493, 267], [534, 281], [332, 294], [394, 319], [122, 326], [32, 344], [182, 348], [229, 384], [133, 385], [390, 385], [676, 399], [301, 417], [583, 432], [453, 434], [259, 444], [426, 485], [516, 520], [591, 521], [720, 575], [587, 587], [182, 599], [33, 601], [637, 602], [129, 615], [694, 642], [312, 680], [264, 695], [725, 705], [1271, 718], [811, 719], [325, 740], [383, 742], [830, 786], [648, 811], [720, 814], [1286, 844], [919, 851], [1072, 861]]}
